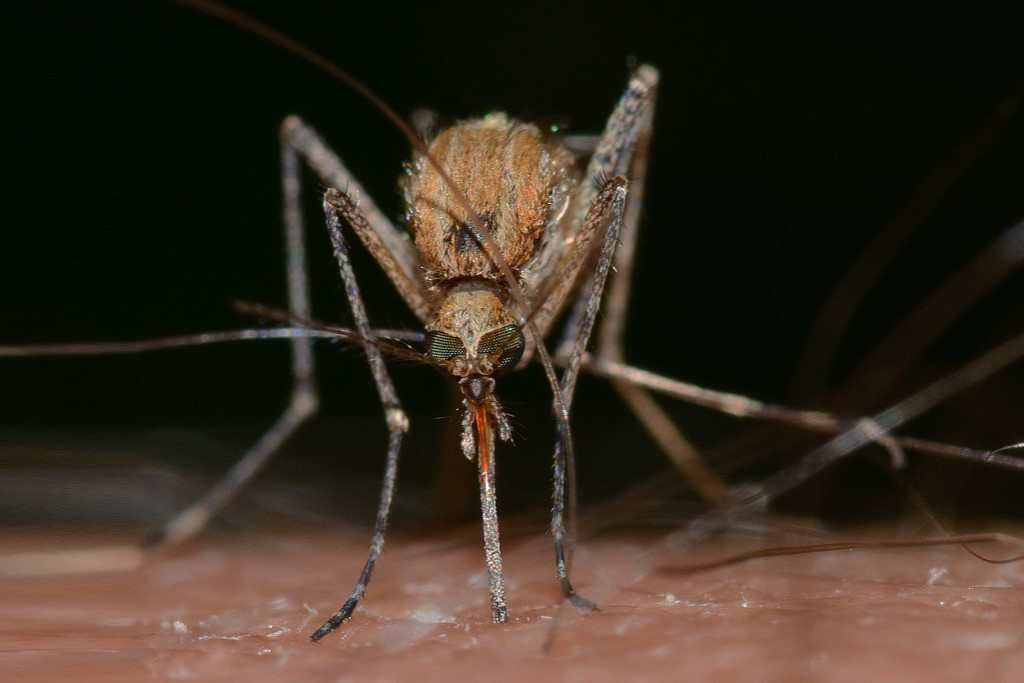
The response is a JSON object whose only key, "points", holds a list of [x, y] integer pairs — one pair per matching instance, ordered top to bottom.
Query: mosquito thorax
{"points": [[518, 181], [473, 333]]}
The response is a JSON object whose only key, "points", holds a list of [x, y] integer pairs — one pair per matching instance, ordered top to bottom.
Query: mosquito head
{"points": [[474, 336]]}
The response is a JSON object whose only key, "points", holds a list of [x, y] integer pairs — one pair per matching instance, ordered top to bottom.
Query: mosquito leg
{"points": [[611, 157], [339, 206], [608, 206], [391, 248], [616, 302], [303, 403], [866, 431], [683, 455]]}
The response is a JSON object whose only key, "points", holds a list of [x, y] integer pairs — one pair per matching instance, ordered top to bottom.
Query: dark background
{"points": [[142, 197]]}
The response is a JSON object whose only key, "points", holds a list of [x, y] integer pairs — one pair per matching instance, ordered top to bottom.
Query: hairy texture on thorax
{"points": [[516, 182]]}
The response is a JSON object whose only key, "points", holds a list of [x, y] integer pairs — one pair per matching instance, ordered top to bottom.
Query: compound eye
{"points": [[505, 342], [441, 346]]}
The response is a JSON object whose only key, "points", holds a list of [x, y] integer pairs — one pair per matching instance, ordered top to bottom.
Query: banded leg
{"points": [[612, 156], [338, 206], [608, 207], [304, 401], [683, 455]]}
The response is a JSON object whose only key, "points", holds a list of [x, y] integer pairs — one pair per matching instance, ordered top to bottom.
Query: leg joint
{"points": [[292, 128], [305, 402], [396, 418]]}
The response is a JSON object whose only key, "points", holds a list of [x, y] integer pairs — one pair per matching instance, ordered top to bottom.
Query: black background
{"points": [[142, 197]]}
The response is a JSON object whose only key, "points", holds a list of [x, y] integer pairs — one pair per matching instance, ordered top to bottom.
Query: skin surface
{"points": [[795, 132], [240, 607]]}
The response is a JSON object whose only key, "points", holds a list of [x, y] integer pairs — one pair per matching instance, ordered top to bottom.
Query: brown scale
{"points": [[512, 177], [518, 182]]}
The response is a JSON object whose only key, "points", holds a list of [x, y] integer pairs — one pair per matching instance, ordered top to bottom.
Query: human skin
{"points": [[240, 607]]}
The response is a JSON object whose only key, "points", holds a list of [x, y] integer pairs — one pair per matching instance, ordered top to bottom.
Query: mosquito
{"points": [[510, 230]]}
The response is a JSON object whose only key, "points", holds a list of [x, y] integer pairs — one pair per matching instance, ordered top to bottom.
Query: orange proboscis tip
{"points": [[482, 437]]}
